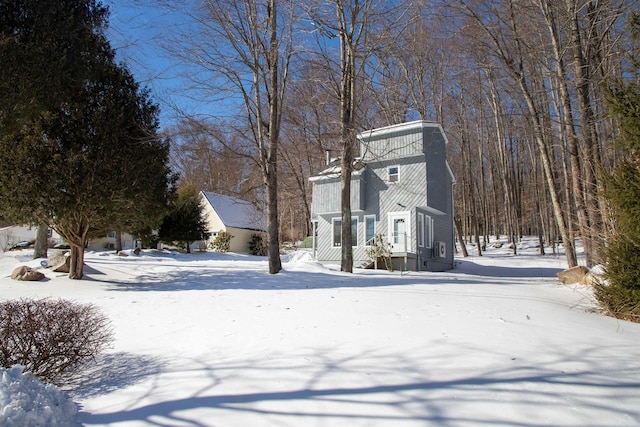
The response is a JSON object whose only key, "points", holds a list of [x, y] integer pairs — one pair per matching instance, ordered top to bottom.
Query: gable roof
{"points": [[234, 212]]}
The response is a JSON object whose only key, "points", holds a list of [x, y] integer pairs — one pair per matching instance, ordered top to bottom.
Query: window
{"points": [[394, 173], [425, 225], [369, 229], [337, 232], [354, 232], [112, 235]]}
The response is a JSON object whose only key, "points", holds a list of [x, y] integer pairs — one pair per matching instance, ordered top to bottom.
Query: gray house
{"points": [[402, 189]]}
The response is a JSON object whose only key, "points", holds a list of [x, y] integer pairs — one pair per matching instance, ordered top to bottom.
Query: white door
{"points": [[400, 231]]}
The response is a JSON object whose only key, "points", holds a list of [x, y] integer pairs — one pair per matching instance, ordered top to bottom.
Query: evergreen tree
{"points": [[86, 159], [185, 223], [621, 295]]}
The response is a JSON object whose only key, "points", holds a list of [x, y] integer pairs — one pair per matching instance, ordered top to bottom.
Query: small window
{"points": [[394, 173], [428, 227], [369, 229], [337, 232], [354, 232], [112, 235], [421, 238]]}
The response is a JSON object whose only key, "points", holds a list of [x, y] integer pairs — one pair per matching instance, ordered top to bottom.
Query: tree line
{"points": [[521, 87]]}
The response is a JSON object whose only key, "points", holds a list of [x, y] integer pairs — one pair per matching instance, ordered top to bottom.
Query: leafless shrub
{"points": [[50, 337]]}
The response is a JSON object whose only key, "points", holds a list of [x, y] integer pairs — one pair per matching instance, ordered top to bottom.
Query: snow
{"points": [[234, 212], [214, 340], [26, 401]]}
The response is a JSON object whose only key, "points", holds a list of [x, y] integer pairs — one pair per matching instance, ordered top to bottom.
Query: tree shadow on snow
{"points": [[112, 372], [541, 392]]}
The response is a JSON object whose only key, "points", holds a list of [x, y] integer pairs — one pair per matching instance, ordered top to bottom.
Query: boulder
{"points": [[59, 261], [64, 266], [26, 273], [573, 275], [595, 276]]}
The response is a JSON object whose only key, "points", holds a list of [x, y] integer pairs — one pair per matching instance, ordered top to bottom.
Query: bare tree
{"points": [[353, 23], [241, 50]]}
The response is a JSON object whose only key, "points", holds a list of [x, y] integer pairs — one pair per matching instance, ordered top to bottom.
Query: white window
{"points": [[393, 173], [369, 229], [421, 230]]}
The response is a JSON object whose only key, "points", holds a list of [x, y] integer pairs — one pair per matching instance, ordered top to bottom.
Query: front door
{"points": [[399, 231]]}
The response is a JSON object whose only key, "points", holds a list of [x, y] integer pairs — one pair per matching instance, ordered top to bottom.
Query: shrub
{"points": [[222, 242], [257, 246], [379, 248], [50, 337]]}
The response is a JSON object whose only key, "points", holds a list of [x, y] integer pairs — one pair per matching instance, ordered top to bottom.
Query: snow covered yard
{"points": [[214, 340]]}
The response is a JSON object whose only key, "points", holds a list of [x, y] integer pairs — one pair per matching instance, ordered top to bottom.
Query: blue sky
{"points": [[137, 31]]}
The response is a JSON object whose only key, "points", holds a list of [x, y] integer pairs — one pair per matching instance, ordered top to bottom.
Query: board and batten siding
{"points": [[326, 194]]}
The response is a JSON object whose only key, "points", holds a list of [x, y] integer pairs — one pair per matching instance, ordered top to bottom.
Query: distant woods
{"points": [[519, 87]]}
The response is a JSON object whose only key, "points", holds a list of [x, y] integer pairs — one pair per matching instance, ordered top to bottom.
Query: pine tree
{"points": [[86, 157], [185, 223], [620, 296]]}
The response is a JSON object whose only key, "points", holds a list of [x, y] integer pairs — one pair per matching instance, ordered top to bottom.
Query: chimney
{"points": [[328, 157]]}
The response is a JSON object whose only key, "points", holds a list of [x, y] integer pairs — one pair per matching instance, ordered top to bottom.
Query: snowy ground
{"points": [[213, 340]]}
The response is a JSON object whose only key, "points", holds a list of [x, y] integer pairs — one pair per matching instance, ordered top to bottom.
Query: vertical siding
{"points": [[326, 195]]}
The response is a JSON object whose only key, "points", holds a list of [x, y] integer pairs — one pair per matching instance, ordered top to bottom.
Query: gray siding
{"points": [[418, 150], [326, 195]]}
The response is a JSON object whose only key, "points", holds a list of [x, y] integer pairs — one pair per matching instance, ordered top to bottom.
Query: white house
{"points": [[402, 189], [238, 217], [14, 234]]}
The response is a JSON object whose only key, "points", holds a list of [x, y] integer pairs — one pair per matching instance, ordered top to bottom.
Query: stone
{"points": [[59, 260], [63, 267], [26, 273], [573, 275]]}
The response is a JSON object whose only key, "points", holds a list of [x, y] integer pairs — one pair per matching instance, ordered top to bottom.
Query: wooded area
{"points": [[518, 85]]}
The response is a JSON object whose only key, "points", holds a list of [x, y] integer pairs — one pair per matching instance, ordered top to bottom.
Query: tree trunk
{"points": [[347, 134], [590, 149], [577, 177], [345, 200], [118, 241], [42, 242], [463, 246], [76, 261], [275, 264]]}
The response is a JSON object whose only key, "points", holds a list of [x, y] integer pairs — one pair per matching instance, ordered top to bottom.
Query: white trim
{"points": [[400, 245]]}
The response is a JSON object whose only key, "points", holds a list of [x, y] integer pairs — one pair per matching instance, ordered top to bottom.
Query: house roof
{"points": [[389, 130], [234, 212]]}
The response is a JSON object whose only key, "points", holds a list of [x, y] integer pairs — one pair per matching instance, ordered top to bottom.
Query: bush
{"points": [[222, 242], [257, 246], [378, 249], [620, 295], [50, 337]]}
